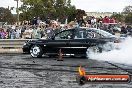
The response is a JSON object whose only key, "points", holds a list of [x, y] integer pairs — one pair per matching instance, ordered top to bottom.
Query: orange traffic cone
{"points": [[60, 56]]}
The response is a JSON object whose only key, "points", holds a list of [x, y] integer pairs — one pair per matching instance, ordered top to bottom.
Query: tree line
{"points": [[55, 9], [124, 16]]}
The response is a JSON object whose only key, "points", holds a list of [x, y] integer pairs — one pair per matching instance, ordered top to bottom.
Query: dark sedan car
{"points": [[76, 41]]}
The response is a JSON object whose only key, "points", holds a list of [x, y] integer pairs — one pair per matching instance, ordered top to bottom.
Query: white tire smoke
{"points": [[121, 55]]}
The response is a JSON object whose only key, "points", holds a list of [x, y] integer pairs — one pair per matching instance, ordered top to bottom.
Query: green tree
{"points": [[54, 9], [127, 9], [80, 13], [6, 16], [119, 17], [128, 18]]}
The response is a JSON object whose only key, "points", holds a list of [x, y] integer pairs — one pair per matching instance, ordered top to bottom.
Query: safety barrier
{"points": [[12, 43]]}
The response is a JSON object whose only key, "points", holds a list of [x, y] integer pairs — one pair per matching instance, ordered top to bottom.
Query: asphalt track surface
{"points": [[23, 71]]}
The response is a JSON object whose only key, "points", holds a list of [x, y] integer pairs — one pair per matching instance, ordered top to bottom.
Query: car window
{"points": [[104, 33], [68, 34], [80, 34], [87, 34], [90, 34], [93, 34]]}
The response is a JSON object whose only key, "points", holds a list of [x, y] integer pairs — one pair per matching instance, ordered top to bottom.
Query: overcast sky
{"points": [[87, 5], [102, 5]]}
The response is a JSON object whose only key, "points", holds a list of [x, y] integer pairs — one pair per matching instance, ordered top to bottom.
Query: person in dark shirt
{"points": [[34, 21], [48, 21], [81, 22], [129, 29], [123, 30], [49, 31]]}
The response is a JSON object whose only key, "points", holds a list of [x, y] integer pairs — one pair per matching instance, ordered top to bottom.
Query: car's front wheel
{"points": [[36, 51]]}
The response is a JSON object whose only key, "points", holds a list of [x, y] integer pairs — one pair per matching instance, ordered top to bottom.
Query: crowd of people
{"points": [[38, 29], [29, 31]]}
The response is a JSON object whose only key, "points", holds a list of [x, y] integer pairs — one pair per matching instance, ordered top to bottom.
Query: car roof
{"points": [[89, 28]]}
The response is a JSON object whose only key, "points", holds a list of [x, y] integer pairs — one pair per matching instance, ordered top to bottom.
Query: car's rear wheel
{"points": [[93, 50], [36, 51]]}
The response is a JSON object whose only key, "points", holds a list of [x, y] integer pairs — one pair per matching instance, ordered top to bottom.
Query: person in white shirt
{"points": [[93, 22], [18, 32], [28, 33]]}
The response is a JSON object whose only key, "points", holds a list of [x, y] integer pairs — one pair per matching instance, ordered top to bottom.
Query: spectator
{"points": [[106, 19], [89, 20], [112, 20], [34, 21], [38, 21], [48, 21], [81, 22], [93, 22], [88, 25], [129, 28], [57, 29], [123, 30], [22, 31], [49, 31], [8, 32], [18, 32], [42, 32], [28, 33], [13, 34], [34, 34], [38, 36]]}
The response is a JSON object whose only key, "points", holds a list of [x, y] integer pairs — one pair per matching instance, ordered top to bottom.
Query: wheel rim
{"points": [[108, 46], [35, 50], [92, 50]]}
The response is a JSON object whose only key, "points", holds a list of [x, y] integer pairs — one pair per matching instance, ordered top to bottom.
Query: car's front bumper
{"points": [[26, 49]]}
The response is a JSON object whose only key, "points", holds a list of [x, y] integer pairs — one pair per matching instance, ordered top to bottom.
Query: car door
{"points": [[82, 40], [61, 41], [78, 44]]}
